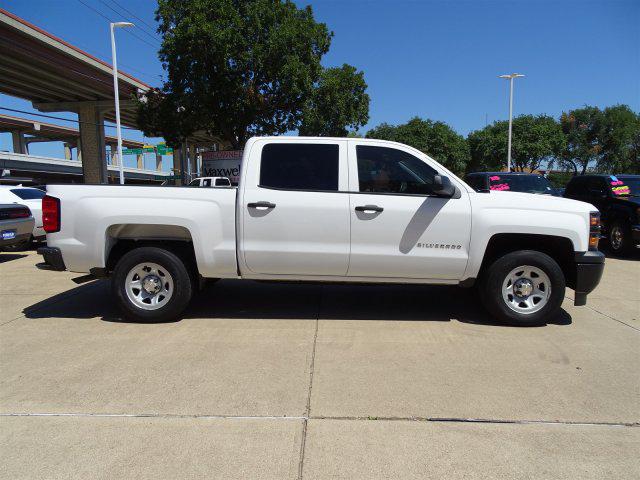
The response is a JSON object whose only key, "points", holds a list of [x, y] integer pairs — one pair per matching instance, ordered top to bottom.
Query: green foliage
{"points": [[236, 68], [337, 103], [582, 130], [436, 139], [534, 140], [607, 140], [620, 140], [488, 148]]}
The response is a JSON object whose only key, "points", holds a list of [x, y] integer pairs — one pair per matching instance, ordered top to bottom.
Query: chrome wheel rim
{"points": [[616, 236], [149, 286], [526, 289]]}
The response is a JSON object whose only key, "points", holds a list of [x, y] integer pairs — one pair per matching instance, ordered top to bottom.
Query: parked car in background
{"points": [[219, 182], [510, 182], [32, 198], [618, 199], [327, 210], [16, 224]]}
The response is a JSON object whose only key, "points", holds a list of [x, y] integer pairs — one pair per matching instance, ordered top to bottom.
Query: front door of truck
{"points": [[295, 209], [398, 228]]}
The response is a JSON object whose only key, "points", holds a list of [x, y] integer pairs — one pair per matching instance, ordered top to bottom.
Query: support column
{"points": [[19, 144], [67, 151], [113, 154], [140, 160], [158, 162], [94, 164], [178, 164]]}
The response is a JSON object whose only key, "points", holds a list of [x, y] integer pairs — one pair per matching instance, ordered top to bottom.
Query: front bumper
{"points": [[52, 259], [588, 272]]}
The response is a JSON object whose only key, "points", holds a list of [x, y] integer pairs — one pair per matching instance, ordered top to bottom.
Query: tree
{"points": [[235, 68], [337, 103], [582, 129], [436, 139], [534, 140], [620, 140], [488, 148]]}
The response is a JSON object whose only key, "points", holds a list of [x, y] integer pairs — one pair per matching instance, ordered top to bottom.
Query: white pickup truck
{"points": [[327, 210]]}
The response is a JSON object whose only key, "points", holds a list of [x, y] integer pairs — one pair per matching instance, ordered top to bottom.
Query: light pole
{"points": [[510, 77], [116, 95]]}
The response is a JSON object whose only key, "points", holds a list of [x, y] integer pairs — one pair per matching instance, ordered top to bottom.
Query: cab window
{"points": [[300, 166], [388, 170]]}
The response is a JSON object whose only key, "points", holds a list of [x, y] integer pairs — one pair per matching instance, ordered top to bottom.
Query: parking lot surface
{"points": [[309, 381]]}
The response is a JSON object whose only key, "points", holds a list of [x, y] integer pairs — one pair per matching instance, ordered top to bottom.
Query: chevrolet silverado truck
{"points": [[327, 210]]}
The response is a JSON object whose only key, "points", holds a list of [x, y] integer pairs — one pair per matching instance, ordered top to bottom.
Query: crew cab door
{"points": [[295, 209], [399, 228]]}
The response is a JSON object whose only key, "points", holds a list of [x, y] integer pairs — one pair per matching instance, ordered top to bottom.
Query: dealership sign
{"points": [[222, 164]]}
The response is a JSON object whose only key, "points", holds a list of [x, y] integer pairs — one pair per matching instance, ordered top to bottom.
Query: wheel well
{"points": [[181, 247], [558, 248]]}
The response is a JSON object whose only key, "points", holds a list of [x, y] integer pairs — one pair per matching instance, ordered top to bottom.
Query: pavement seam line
{"points": [[606, 315], [307, 414], [153, 415], [329, 418], [480, 420]]}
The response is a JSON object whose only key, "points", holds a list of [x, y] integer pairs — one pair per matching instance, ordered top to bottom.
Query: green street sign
{"points": [[162, 149], [132, 151]]}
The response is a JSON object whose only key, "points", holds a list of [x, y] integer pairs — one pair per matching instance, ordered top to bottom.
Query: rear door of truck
{"points": [[294, 209]]}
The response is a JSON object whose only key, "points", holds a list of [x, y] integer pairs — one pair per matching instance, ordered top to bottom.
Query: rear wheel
{"points": [[151, 285], [523, 288]]}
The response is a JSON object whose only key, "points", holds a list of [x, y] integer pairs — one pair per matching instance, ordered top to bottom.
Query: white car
{"points": [[219, 182], [32, 198], [327, 210]]}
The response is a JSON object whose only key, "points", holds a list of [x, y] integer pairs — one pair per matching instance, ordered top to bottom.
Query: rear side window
{"points": [[299, 166], [388, 170], [477, 182], [576, 186], [28, 193]]}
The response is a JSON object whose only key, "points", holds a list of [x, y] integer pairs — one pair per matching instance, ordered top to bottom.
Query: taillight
{"points": [[50, 214], [595, 229]]}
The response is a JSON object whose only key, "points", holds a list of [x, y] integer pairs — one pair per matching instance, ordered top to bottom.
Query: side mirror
{"points": [[443, 187]]}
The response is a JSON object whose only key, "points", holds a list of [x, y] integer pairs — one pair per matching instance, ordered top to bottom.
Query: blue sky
{"points": [[434, 59]]}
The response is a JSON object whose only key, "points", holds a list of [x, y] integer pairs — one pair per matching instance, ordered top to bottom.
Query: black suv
{"points": [[511, 181], [618, 199]]}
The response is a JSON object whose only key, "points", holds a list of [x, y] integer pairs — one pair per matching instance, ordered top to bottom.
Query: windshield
{"points": [[520, 183], [625, 186], [28, 193]]}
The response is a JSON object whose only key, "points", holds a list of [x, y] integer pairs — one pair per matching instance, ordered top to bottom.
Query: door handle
{"points": [[261, 205], [369, 208]]}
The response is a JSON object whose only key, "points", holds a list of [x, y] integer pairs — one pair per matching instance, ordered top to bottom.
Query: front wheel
{"points": [[620, 238], [151, 285], [523, 288]]}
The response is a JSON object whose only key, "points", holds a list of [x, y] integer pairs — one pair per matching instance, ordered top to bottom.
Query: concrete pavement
{"points": [[307, 381]]}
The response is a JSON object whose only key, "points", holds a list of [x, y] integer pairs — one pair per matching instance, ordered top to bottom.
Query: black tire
{"points": [[619, 238], [491, 288], [182, 289]]}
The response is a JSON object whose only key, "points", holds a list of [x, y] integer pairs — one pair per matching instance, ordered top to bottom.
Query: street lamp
{"points": [[510, 77], [116, 94]]}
